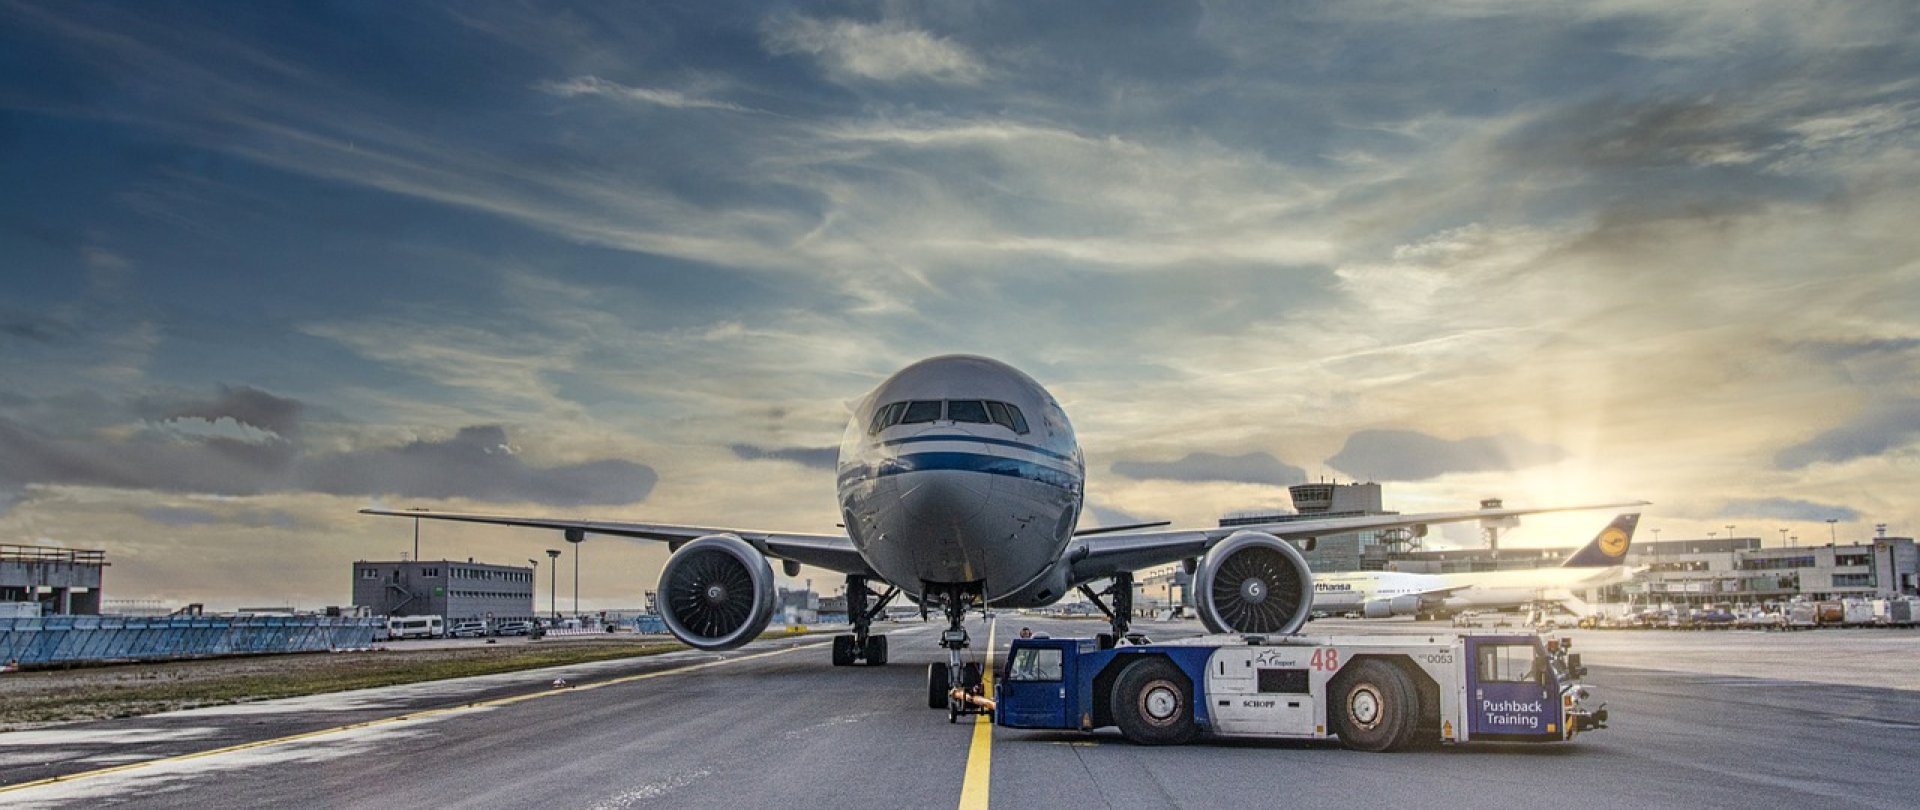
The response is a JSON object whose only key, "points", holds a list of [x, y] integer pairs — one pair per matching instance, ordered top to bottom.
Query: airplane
{"points": [[961, 486], [1381, 594]]}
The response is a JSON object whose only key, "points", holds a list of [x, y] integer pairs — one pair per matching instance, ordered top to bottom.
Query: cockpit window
{"points": [[967, 410], [921, 411], [971, 411], [887, 416], [1007, 416]]}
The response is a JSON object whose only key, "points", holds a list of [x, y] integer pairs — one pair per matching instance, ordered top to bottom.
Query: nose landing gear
{"points": [[955, 600]]}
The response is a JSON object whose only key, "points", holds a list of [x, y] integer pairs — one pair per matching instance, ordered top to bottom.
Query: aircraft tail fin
{"points": [[1608, 548]]}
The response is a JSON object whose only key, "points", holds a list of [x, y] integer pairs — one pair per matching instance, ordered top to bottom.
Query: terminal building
{"points": [[1711, 570], [1717, 570], [1740, 570], [50, 581], [450, 589]]}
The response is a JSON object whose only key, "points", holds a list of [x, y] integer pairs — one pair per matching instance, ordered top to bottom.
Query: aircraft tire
{"points": [[843, 650], [876, 651], [937, 681], [1152, 703], [1378, 708]]}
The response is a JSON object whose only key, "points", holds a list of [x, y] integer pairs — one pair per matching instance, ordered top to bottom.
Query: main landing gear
{"points": [[955, 600], [1119, 613], [860, 646]]}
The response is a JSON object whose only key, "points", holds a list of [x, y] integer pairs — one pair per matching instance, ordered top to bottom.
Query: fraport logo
{"points": [[1510, 712]]}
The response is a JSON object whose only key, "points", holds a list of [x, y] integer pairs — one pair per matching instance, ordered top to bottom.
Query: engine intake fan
{"points": [[1255, 583], [716, 593]]}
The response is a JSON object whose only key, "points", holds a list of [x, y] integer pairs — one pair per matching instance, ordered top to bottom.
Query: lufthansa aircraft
{"points": [[960, 485], [1380, 594]]}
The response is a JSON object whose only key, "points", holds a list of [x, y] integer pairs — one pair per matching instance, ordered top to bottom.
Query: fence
{"points": [[75, 639]]}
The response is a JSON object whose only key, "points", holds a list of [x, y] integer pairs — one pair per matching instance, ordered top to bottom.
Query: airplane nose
{"points": [[944, 497]]}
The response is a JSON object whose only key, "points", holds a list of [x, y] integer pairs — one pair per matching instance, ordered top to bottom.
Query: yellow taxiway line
{"points": [[420, 715], [979, 782]]}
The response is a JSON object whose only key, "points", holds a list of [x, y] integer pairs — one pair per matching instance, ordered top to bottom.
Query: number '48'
{"points": [[1326, 660]]}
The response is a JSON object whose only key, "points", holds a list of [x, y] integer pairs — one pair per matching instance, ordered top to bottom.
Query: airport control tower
{"points": [[1335, 552]]}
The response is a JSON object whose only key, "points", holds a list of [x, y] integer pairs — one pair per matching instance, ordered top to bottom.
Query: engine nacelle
{"points": [[1253, 582], [716, 593], [1397, 606]]}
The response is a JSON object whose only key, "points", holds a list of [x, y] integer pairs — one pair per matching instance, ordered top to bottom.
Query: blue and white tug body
{"points": [[1373, 693]]}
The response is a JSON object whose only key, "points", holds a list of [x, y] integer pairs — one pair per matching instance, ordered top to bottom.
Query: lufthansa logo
{"points": [[1613, 542]]}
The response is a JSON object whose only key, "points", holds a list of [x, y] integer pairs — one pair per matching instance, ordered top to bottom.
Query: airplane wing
{"points": [[831, 551], [1103, 555], [1441, 593]]}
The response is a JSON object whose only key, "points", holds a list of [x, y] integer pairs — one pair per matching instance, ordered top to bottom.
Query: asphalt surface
{"points": [[775, 724]]}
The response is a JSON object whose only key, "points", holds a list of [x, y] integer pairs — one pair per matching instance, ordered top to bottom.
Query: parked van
{"points": [[416, 627], [467, 628], [513, 628]]}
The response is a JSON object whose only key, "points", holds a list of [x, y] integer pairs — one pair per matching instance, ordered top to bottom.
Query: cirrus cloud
{"points": [[886, 51], [1408, 455], [1250, 468]]}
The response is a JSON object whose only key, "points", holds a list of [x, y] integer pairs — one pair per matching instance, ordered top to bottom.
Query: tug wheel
{"points": [[1152, 703], [1378, 707]]}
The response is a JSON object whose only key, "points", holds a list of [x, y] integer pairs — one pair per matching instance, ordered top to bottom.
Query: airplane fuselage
{"points": [[962, 469], [1478, 590]]}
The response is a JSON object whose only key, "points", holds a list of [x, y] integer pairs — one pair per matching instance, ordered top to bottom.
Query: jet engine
{"points": [[1253, 582], [716, 593], [1398, 606]]}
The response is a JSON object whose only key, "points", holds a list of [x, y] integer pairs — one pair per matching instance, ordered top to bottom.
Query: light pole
{"points": [[1830, 530], [1783, 537], [576, 538], [1732, 564], [1659, 576], [553, 583], [533, 586]]}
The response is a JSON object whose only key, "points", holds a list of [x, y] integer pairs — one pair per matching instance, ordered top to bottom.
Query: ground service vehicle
{"points": [[415, 627], [1374, 693]]}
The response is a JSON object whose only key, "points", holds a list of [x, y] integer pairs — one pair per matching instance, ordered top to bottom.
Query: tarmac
{"points": [[1698, 719]]}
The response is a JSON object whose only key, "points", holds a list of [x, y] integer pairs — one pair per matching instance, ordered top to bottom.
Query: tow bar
{"points": [[968, 701]]}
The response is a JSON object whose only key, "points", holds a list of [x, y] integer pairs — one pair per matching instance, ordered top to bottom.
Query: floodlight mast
{"points": [[553, 584]]}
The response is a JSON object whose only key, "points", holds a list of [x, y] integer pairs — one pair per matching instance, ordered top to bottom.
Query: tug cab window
{"points": [[967, 410], [920, 412], [1509, 663], [1035, 664]]}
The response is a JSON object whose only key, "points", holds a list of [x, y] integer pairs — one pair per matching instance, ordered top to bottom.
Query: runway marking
{"points": [[419, 715], [979, 782]]}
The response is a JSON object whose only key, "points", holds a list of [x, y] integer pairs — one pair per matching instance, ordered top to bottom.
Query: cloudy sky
{"points": [[263, 264]]}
